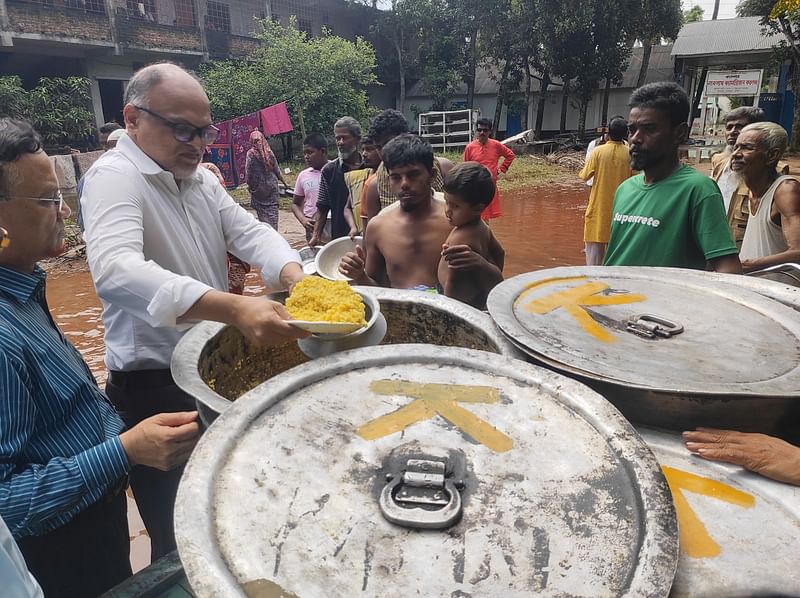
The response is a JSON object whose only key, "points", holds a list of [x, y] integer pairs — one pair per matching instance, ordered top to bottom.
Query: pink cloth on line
{"points": [[275, 120], [241, 128], [224, 137]]}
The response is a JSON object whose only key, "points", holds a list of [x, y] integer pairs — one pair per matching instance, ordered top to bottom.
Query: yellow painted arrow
{"points": [[574, 299], [437, 399], [696, 542]]}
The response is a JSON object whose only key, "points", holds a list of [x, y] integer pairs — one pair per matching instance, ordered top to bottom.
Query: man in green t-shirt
{"points": [[670, 215]]}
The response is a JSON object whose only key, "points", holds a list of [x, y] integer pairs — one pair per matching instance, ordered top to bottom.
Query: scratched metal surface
{"points": [[735, 341], [213, 351], [561, 496], [740, 532]]}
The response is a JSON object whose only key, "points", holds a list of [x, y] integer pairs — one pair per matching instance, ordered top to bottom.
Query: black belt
{"points": [[141, 378]]}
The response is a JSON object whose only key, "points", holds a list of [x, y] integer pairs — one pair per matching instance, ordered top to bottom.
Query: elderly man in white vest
{"points": [[772, 236]]}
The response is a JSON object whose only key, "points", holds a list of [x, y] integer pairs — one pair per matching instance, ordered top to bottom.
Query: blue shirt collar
{"points": [[21, 285]]}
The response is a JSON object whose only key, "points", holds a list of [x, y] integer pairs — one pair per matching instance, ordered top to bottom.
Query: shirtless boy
{"points": [[403, 243], [472, 258]]}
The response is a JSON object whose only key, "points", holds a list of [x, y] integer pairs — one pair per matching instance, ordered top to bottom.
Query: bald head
{"points": [[138, 91]]}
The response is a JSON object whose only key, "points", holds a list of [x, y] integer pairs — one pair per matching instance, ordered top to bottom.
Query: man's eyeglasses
{"points": [[481, 130], [183, 132], [56, 200]]}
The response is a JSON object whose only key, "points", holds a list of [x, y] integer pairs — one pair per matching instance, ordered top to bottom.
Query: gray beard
{"points": [[346, 155]]}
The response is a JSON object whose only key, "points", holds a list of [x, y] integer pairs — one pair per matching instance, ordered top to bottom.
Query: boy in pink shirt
{"points": [[306, 188]]}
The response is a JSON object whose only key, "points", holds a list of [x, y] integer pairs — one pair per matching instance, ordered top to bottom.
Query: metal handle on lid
{"points": [[650, 326], [421, 497]]}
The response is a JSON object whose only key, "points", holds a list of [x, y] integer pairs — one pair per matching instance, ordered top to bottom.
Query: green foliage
{"points": [[694, 14], [320, 78], [58, 108]]}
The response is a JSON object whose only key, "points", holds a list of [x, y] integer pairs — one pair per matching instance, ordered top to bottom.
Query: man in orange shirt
{"points": [[488, 152]]}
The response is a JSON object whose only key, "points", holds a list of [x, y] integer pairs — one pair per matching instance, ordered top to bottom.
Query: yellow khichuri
{"points": [[315, 299]]}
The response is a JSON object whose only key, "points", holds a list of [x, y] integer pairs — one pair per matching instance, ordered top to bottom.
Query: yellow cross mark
{"points": [[575, 299], [437, 399], [696, 542]]}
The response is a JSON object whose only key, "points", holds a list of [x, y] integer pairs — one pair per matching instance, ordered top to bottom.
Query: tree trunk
{"points": [[473, 44], [647, 49], [401, 73], [606, 91], [501, 94], [528, 97], [542, 101], [564, 105], [583, 106], [301, 122], [795, 141]]}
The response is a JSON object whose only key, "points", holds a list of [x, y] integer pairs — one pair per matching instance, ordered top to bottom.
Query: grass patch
{"points": [[526, 171]]}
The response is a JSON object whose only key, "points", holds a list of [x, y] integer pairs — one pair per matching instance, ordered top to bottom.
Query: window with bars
{"points": [[91, 6], [144, 10], [184, 14], [218, 17]]}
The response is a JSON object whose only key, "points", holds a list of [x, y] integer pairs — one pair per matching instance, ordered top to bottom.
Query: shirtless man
{"points": [[403, 243]]}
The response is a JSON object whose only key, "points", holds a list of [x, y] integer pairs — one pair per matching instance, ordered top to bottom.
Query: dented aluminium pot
{"points": [[670, 348], [215, 364], [414, 470], [739, 531]]}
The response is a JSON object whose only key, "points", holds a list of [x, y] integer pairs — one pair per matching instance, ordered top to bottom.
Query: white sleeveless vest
{"points": [[763, 237]]}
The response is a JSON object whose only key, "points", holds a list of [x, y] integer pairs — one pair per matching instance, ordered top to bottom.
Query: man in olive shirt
{"points": [[670, 215]]}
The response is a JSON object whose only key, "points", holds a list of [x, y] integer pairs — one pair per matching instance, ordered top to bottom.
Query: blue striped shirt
{"points": [[59, 436]]}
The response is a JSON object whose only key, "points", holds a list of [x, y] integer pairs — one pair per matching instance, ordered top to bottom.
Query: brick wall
{"points": [[57, 21], [142, 34], [242, 46]]}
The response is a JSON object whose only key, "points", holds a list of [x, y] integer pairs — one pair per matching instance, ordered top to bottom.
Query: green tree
{"points": [[694, 14], [782, 18], [649, 22], [320, 78], [58, 108]]}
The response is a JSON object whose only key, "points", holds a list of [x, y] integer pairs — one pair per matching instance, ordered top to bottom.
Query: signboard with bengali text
{"points": [[733, 83]]}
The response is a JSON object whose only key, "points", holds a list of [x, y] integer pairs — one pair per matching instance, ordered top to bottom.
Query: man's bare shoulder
{"points": [[789, 190]]}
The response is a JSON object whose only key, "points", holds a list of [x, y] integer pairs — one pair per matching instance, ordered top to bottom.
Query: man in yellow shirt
{"points": [[609, 165]]}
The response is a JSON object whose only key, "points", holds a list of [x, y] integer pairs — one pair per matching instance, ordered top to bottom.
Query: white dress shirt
{"points": [[155, 248], [15, 579]]}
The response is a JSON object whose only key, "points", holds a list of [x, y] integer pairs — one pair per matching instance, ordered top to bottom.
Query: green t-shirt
{"points": [[678, 222]]}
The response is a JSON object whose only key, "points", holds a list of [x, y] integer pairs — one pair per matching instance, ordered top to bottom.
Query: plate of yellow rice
{"points": [[323, 306]]}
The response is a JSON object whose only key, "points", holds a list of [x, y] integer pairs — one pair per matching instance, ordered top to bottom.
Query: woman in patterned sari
{"points": [[262, 174]]}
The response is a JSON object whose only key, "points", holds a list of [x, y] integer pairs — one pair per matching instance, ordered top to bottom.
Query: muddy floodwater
{"points": [[541, 227]]}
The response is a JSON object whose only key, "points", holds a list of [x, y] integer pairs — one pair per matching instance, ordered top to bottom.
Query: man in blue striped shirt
{"points": [[64, 456]]}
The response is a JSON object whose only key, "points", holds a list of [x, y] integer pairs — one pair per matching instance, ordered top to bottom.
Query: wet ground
{"points": [[541, 227]]}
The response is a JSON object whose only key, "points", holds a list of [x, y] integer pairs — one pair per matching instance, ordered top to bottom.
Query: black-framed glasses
{"points": [[481, 130], [183, 132], [56, 200]]}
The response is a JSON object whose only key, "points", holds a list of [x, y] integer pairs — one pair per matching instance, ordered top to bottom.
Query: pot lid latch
{"points": [[650, 326], [422, 496]]}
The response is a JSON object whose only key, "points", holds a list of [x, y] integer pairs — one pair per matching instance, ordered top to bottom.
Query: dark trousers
{"points": [[137, 396], [84, 557]]}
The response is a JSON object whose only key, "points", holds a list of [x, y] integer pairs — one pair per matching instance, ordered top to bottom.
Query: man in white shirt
{"points": [[157, 232]]}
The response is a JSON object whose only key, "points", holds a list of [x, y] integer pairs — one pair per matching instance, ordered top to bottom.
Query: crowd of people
{"points": [[159, 231]]}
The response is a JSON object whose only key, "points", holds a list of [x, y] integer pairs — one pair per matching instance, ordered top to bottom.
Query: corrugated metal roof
{"points": [[725, 36], [660, 68]]}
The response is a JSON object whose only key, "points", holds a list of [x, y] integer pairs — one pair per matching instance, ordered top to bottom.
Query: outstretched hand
{"points": [[353, 264], [766, 455]]}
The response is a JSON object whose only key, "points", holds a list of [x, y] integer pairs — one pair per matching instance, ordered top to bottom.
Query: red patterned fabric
{"points": [[224, 137]]}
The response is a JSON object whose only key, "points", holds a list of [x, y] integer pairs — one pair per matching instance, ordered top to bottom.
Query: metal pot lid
{"points": [[662, 329], [427, 470], [740, 532]]}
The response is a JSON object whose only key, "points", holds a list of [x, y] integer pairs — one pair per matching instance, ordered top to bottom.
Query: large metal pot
{"points": [[723, 355], [215, 364], [415, 470]]}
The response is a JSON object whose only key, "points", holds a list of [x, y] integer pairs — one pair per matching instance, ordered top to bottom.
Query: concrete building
{"points": [[107, 40], [661, 68]]}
